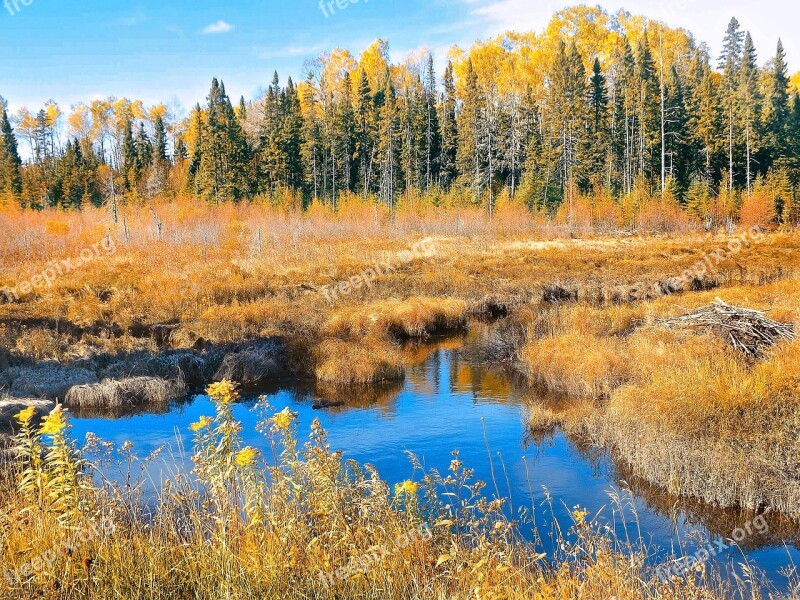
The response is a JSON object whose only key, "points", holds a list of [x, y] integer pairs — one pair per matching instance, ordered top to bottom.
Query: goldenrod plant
{"points": [[51, 469], [33, 478], [300, 521]]}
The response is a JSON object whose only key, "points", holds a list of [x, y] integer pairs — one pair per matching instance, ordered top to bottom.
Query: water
{"points": [[450, 401]]}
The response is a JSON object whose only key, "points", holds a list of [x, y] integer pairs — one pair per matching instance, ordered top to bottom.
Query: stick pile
{"points": [[749, 331]]}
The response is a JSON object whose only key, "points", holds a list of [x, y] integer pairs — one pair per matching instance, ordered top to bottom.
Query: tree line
{"points": [[612, 106]]}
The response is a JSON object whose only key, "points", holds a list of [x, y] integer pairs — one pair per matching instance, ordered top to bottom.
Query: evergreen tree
{"points": [[731, 65], [749, 103], [647, 110], [776, 120], [365, 124], [623, 125], [449, 128], [291, 130], [432, 132], [598, 137], [388, 150], [159, 151], [223, 151], [130, 156], [467, 157], [10, 163]]}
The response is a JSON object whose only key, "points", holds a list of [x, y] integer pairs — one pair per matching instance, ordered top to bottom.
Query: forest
{"points": [[609, 111]]}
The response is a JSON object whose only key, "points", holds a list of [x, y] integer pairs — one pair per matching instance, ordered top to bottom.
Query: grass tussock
{"points": [[406, 319], [352, 363], [252, 367], [122, 393], [683, 410], [296, 522]]}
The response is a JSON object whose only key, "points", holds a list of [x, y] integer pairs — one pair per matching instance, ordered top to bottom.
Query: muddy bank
{"points": [[123, 381]]}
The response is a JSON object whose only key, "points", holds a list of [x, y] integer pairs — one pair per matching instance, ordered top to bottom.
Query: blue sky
{"points": [[162, 50]]}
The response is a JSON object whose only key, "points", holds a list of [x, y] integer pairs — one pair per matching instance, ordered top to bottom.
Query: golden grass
{"points": [[233, 273], [405, 319], [347, 363], [130, 392], [682, 410]]}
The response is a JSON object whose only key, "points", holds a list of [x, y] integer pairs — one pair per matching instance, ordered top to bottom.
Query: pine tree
{"points": [[731, 65], [749, 103], [647, 110], [777, 110], [567, 116], [705, 118], [623, 123], [292, 128], [449, 128], [432, 132], [599, 135], [160, 139], [678, 149], [388, 150], [223, 151], [130, 157], [467, 157], [10, 163]]}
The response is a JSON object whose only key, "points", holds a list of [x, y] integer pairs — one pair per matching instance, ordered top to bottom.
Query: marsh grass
{"points": [[244, 272], [115, 394], [682, 410], [297, 521]]}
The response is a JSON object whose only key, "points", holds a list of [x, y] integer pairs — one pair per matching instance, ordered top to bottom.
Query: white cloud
{"points": [[521, 15], [133, 20], [218, 27], [291, 51]]}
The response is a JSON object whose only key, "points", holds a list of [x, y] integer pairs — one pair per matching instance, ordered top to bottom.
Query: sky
{"points": [[167, 51]]}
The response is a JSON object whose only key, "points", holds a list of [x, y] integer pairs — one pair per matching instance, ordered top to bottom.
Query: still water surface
{"points": [[451, 400]]}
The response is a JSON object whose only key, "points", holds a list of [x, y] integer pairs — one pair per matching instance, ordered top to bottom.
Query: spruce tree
{"points": [[731, 65], [749, 101], [647, 110], [777, 110], [365, 124], [449, 128], [432, 131], [599, 135], [130, 156], [468, 160], [10, 163], [222, 173]]}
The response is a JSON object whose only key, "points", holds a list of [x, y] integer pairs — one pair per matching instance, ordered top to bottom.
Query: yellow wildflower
{"points": [[224, 392], [24, 416], [283, 419], [55, 422], [201, 424], [246, 457], [407, 487], [580, 516]]}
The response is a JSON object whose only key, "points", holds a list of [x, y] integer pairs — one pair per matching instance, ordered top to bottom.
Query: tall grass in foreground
{"points": [[301, 522]]}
